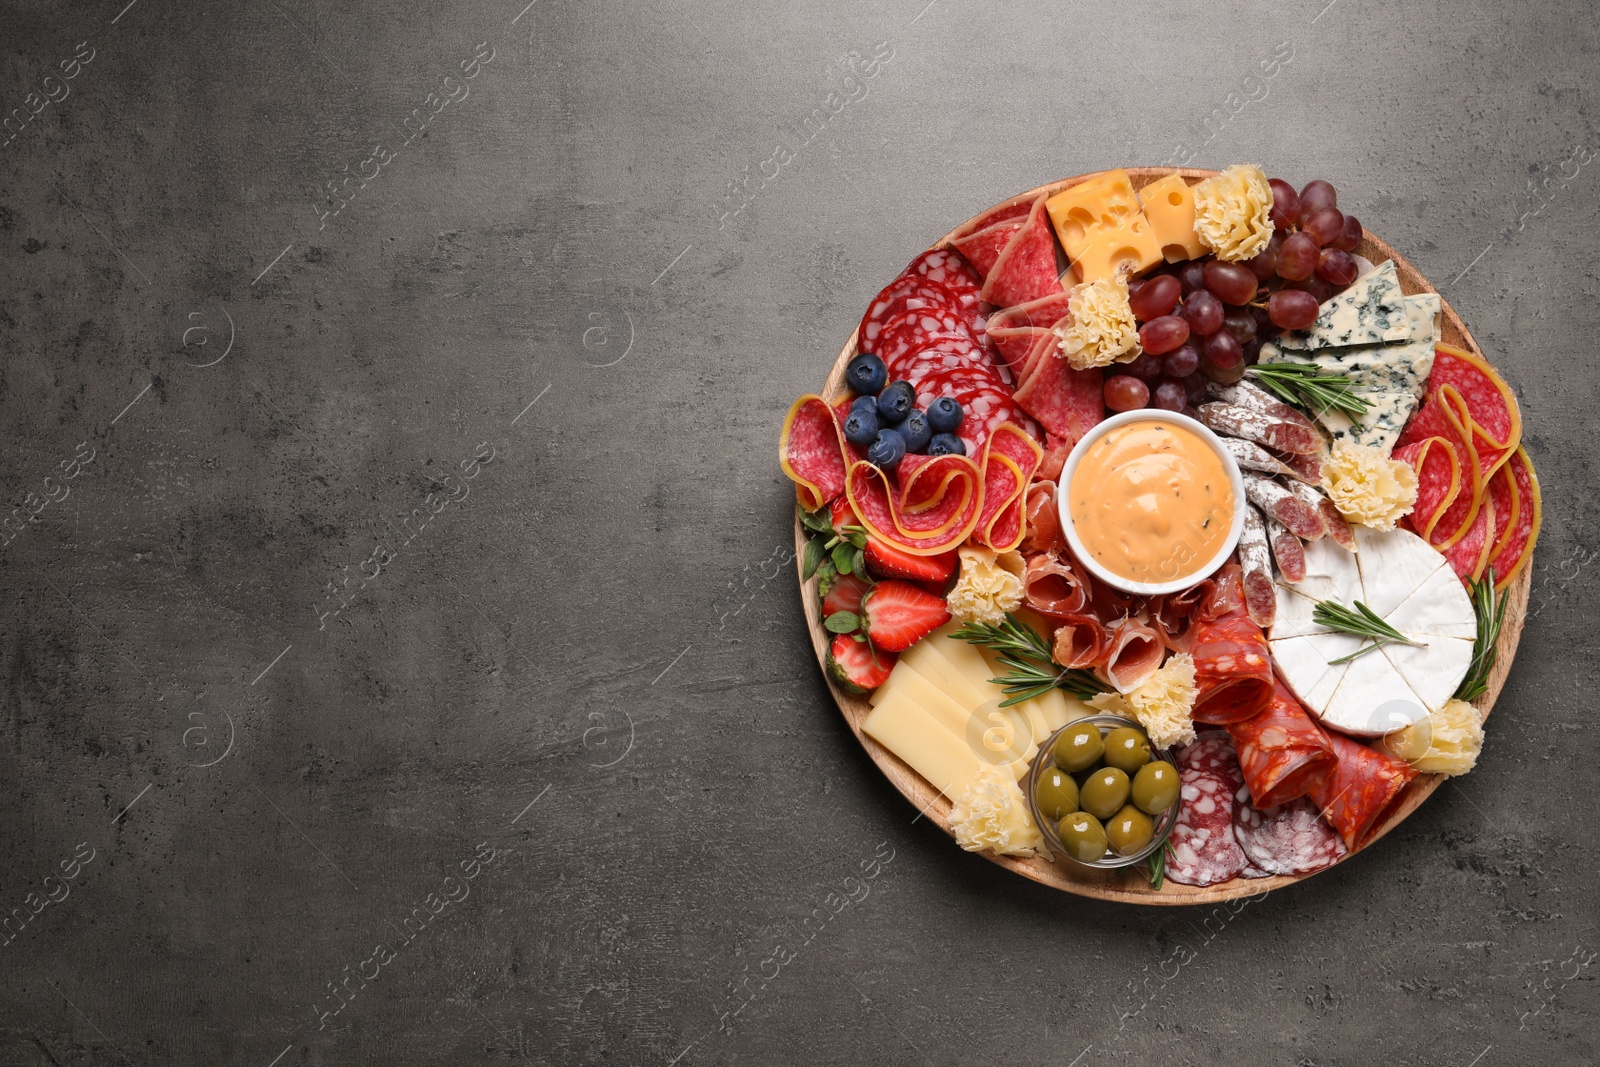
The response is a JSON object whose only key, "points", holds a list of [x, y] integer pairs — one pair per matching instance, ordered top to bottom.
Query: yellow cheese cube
{"points": [[1106, 201], [1169, 207], [1129, 246]]}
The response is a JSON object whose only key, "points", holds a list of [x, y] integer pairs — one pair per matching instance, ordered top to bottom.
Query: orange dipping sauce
{"points": [[1151, 501]]}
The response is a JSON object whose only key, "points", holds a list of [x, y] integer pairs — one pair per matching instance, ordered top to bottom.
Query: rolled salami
{"points": [[1232, 665], [1283, 753], [1362, 790]]}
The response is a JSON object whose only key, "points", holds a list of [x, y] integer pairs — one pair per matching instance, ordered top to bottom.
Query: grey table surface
{"points": [[402, 657]]}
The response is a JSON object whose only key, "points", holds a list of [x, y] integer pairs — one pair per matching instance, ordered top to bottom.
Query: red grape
{"points": [[1316, 196], [1285, 204], [1325, 226], [1350, 236], [1297, 258], [1264, 265], [1336, 267], [1192, 276], [1230, 283], [1134, 285], [1317, 288], [1157, 297], [1292, 309], [1204, 313], [1241, 324], [1160, 336], [1222, 349], [1252, 353], [1181, 361], [1146, 367], [1224, 375], [1195, 384], [1125, 393], [1171, 395]]}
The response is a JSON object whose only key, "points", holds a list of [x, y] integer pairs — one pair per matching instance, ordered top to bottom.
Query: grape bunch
{"points": [[1205, 319]]}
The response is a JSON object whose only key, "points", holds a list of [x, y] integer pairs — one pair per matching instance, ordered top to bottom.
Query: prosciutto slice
{"points": [[1043, 519], [1053, 586], [1080, 641], [1134, 651]]}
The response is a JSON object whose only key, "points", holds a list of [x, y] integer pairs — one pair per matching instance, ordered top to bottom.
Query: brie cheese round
{"points": [[1412, 587]]}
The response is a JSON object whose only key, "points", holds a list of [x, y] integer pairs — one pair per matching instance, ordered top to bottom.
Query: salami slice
{"points": [[1015, 208], [983, 247], [950, 269], [1026, 269], [902, 297], [929, 328], [1016, 330], [1067, 402], [1443, 416], [1496, 419], [1283, 434], [809, 452], [1009, 462], [1305, 466], [1438, 468], [1516, 548], [1288, 553], [1470, 555], [1232, 664], [1283, 753], [1362, 790], [1292, 839], [1203, 849]]}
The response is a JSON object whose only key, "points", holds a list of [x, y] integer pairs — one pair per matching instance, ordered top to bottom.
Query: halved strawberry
{"points": [[842, 513], [887, 561], [844, 594], [896, 615], [858, 667]]}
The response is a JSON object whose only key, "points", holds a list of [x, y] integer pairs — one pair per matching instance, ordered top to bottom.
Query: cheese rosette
{"points": [[932, 504]]}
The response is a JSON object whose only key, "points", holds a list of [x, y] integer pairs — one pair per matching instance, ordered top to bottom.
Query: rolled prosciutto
{"points": [[1044, 521], [1053, 586], [1080, 641], [1133, 653], [1232, 665], [1283, 753], [1362, 790]]}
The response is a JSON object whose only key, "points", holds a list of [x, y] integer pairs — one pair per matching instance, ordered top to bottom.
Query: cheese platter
{"points": [[1163, 535]]}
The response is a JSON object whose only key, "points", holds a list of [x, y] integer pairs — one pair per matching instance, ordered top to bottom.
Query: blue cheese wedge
{"points": [[1372, 311], [1391, 378]]}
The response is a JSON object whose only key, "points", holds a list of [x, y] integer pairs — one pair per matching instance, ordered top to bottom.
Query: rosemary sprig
{"points": [[1304, 384], [1491, 612], [1361, 621], [1031, 671], [1157, 869]]}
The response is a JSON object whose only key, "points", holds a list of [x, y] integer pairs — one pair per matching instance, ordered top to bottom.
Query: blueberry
{"points": [[866, 374], [895, 401], [944, 415], [861, 425], [915, 430], [946, 444], [887, 450]]}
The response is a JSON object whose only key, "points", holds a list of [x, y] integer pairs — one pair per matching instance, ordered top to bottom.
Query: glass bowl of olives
{"points": [[1100, 793]]}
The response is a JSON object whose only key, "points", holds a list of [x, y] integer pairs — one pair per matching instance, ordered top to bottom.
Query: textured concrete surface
{"points": [[403, 664]]}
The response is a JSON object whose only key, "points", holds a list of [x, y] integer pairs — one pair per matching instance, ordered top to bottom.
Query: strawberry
{"points": [[842, 513], [887, 561], [844, 594], [896, 615], [854, 664]]}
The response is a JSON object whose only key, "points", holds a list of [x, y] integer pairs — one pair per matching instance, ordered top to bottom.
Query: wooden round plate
{"points": [[1130, 884]]}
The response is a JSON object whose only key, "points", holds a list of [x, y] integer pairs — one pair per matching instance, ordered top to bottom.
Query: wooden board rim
{"points": [[1129, 885]]}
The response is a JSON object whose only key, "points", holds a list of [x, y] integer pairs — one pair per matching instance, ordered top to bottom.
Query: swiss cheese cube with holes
{"points": [[1169, 205], [1103, 228]]}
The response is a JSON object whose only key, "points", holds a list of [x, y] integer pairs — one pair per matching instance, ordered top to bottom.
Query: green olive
{"points": [[1079, 747], [1127, 749], [1155, 787], [1105, 792], [1056, 793], [1129, 830], [1082, 836]]}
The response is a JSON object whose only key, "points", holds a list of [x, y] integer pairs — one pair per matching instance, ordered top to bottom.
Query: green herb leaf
{"points": [[1306, 385], [819, 521], [857, 537], [813, 557], [844, 558], [859, 561], [1490, 609], [1359, 621], [842, 622], [1031, 671], [1156, 866]]}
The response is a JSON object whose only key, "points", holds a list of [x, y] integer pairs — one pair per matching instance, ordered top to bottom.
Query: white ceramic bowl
{"points": [[1203, 568]]}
